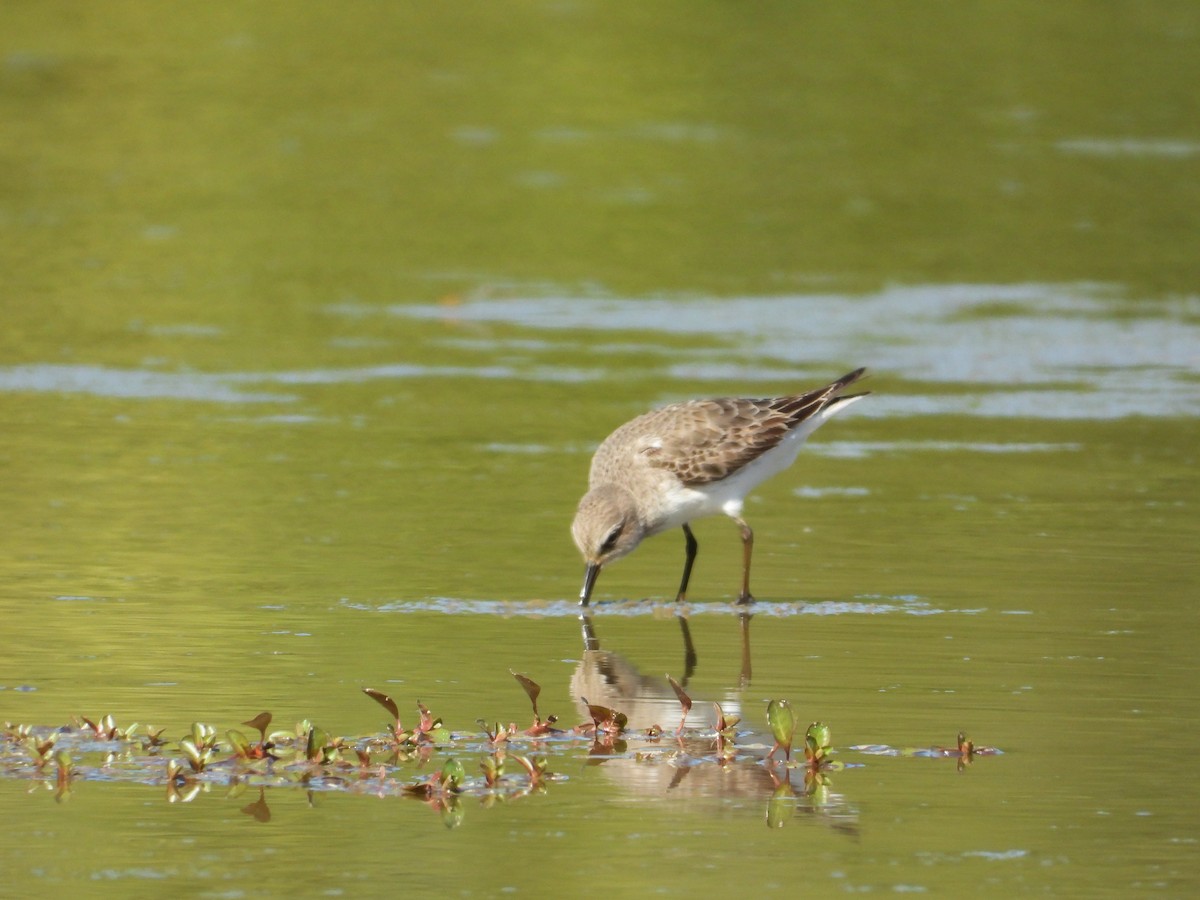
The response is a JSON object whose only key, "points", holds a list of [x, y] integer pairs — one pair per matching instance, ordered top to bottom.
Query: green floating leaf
{"points": [[783, 724], [438, 734], [203, 735], [239, 742], [318, 742], [816, 742], [190, 750], [453, 774]]}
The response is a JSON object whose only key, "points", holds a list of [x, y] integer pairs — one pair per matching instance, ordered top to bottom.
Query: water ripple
{"points": [[871, 605]]}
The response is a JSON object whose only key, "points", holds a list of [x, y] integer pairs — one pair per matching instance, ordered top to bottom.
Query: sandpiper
{"points": [[688, 460]]}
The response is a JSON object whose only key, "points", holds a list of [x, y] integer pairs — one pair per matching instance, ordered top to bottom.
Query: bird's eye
{"points": [[611, 540]]}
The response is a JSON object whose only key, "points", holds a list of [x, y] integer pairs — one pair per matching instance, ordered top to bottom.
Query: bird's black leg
{"points": [[690, 549], [747, 550]]}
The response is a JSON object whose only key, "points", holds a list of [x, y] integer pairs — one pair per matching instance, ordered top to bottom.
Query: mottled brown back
{"points": [[701, 441]]}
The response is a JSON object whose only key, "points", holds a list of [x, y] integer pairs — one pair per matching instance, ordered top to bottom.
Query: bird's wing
{"points": [[706, 440]]}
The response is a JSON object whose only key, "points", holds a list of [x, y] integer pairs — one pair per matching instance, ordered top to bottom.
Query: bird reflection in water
{"points": [[697, 763]]}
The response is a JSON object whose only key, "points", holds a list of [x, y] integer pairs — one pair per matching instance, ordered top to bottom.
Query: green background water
{"points": [[312, 315]]}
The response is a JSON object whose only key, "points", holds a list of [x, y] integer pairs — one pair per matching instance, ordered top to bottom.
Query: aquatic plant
{"points": [[783, 726], [512, 762]]}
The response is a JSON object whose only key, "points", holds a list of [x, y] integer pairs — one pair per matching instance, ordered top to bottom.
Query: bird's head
{"points": [[606, 527]]}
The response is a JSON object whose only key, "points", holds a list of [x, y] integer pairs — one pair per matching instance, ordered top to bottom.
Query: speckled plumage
{"points": [[692, 459]]}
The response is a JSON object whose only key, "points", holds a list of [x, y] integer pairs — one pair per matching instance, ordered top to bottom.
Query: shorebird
{"points": [[688, 460]]}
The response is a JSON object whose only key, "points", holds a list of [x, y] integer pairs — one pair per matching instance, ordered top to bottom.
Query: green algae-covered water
{"points": [[312, 315]]}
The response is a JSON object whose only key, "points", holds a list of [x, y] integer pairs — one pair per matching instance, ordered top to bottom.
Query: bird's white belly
{"points": [[683, 504]]}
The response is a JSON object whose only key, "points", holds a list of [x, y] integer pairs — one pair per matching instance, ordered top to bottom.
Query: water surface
{"points": [[312, 321]]}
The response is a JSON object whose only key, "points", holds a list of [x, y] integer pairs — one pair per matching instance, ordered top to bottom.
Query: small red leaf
{"points": [[532, 688], [383, 700], [259, 723]]}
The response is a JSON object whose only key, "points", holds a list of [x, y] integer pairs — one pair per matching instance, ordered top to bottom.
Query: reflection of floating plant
{"points": [[964, 751], [62, 761], [512, 763]]}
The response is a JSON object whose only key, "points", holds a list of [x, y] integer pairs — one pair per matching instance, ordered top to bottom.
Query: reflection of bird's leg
{"points": [[690, 549], [747, 550], [590, 641], [689, 649], [744, 678]]}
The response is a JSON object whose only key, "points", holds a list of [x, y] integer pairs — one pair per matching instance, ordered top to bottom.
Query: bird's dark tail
{"points": [[845, 381], [801, 406]]}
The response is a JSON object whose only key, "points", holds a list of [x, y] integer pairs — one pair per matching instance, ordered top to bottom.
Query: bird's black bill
{"points": [[589, 581]]}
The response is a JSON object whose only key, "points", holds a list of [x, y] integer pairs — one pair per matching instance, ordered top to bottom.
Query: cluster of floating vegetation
{"points": [[512, 762]]}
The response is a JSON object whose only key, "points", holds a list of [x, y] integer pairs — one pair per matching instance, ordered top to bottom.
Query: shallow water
{"points": [[311, 324]]}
